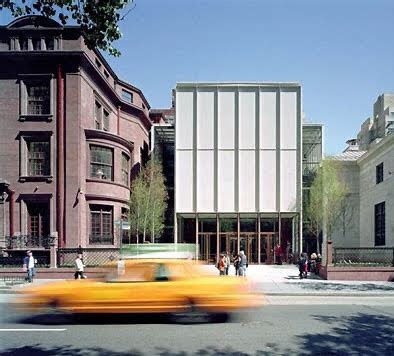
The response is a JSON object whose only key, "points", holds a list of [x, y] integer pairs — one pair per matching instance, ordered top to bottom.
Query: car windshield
{"points": [[139, 272]]}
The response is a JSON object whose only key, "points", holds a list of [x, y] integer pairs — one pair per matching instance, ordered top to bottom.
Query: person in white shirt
{"points": [[29, 263], [79, 267]]}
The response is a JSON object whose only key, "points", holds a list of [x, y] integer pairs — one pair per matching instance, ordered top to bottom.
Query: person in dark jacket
{"points": [[236, 264], [303, 266]]}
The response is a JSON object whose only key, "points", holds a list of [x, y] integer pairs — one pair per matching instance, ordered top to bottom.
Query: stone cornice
{"points": [[105, 135]]}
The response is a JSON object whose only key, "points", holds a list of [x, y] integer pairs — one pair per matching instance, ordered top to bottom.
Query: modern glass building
{"points": [[238, 168]]}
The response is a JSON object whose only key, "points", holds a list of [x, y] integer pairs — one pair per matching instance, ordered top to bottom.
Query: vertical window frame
{"points": [[24, 81], [127, 96], [101, 114], [32, 136], [97, 163], [125, 168], [379, 173], [101, 213], [380, 224]]}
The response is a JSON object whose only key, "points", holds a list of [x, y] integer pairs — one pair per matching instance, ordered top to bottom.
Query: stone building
{"points": [[71, 135], [367, 168]]}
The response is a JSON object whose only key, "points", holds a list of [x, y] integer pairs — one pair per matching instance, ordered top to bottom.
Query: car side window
{"points": [[161, 273]]}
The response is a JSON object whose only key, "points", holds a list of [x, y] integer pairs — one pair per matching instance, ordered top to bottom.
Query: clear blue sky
{"points": [[341, 51]]}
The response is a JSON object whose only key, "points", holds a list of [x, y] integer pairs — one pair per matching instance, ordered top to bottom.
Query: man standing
{"points": [[278, 254], [243, 263], [28, 265], [79, 267]]}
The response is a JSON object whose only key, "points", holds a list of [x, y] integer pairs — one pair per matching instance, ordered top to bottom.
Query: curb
{"points": [[274, 294]]}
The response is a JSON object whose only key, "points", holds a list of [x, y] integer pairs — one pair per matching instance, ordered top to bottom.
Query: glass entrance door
{"points": [[248, 243], [207, 247], [267, 248]]}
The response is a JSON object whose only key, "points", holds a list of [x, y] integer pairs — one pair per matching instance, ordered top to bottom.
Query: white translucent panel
{"points": [[184, 119], [205, 119], [226, 119], [247, 119], [268, 120], [288, 124], [268, 180], [184, 181], [226, 181], [288, 181], [205, 182], [247, 198]]}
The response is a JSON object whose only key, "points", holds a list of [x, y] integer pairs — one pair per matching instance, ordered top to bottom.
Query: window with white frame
{"points": [[35, 96], [127, 96], [101, 116], [35, 156], [101, 162], [125, 168], [101, 224]]}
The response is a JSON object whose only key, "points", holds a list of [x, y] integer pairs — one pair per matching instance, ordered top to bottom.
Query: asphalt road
{"points": [[286, 326]]}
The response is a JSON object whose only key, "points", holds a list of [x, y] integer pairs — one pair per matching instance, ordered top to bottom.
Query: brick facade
{"points": [[85, 78]]}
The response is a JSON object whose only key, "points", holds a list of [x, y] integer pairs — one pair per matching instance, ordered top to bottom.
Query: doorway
{"points": [[248, 243], [267, 243]]}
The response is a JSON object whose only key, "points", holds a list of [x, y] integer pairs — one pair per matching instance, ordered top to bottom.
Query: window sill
{"points": [[46, 117], [47, 179]]}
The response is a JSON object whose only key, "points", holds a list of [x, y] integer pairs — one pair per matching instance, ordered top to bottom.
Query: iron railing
{"points": [[28, 241], [363, 256], [92, 257], [14, 258]]}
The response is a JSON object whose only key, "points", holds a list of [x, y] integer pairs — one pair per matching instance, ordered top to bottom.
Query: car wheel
{"points": [[191, 315]]}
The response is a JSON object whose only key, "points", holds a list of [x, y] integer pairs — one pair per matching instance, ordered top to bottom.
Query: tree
{"points": [[98, 18], [326, 200], [148, 201]]}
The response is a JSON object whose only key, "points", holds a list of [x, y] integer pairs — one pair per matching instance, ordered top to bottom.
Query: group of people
{"points": [[240, 264], [306, 265], [29, 266]]}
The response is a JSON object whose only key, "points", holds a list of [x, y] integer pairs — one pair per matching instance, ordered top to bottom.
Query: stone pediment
{"points": [[33, 22]]}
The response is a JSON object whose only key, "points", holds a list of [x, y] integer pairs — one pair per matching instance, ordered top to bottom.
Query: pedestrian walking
{"points": [[228, 262], [29, 263], [312, 263], [243, 264], [221, 265], [303, 265], [79, 268]]}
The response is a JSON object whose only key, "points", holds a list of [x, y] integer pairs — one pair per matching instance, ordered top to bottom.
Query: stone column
{"points": [[53, 250], [329, 253]]}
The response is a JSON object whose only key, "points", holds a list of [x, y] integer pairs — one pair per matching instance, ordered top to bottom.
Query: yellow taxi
{"points": [[147, 286]]}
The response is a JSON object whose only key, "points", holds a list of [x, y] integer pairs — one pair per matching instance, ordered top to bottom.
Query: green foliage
{"points": [[98, 18], [326, 199], [148, 201]]}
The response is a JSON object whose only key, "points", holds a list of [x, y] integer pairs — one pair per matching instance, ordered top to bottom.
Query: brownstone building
{"points": [[71, 135]]}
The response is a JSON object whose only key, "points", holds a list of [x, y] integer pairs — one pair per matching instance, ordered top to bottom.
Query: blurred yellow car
{"points": [[146, 286]]}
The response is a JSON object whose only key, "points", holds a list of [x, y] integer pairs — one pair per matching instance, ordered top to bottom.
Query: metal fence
{"points": [[27, 241], [363, 256], [92, 257], [14, 258]]}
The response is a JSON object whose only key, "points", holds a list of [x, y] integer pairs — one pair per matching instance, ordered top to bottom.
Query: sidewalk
{"points": [[284, 280], [280, 281]]}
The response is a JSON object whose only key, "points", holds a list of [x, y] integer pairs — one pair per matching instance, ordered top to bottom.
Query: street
{"points": [[286, 325]]}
